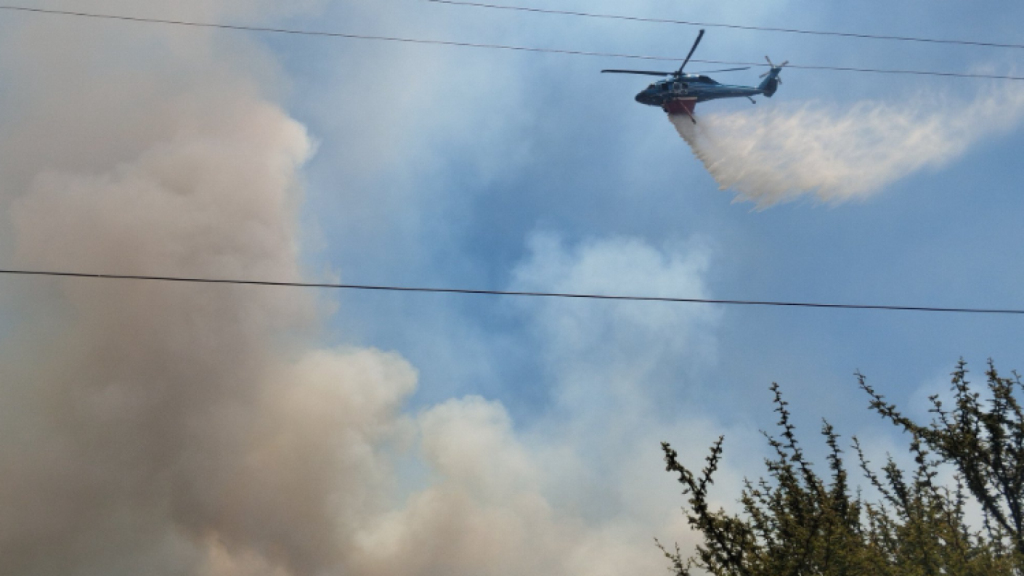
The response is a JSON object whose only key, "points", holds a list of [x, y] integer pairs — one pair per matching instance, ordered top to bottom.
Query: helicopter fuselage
{"points": [[684, 91], [680, 92]]}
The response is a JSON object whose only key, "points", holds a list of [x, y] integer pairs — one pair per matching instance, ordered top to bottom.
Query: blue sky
{"points": [[541, 144], [384, 163]]}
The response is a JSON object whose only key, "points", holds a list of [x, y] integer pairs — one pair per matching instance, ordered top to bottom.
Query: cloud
{"points": [[780, 153], [628, 344], [621, 375], [581, 490], [496, 507]]}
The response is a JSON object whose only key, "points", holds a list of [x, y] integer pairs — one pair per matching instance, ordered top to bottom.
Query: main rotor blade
{"points": [[697, 41], [726, 70], [645, 72]]}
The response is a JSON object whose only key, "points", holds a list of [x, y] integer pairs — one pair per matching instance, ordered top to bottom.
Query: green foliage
{"points": [[796, 522]]}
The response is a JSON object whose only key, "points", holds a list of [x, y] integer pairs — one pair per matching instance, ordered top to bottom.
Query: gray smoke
{"points": [[780, 153], [154, 428]]}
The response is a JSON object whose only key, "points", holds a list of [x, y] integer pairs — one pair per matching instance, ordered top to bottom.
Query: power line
{"points": [[732, 26], [238, 27], [179, 279]]}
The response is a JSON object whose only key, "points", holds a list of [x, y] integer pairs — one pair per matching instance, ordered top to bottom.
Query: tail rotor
{"points": [[773, 67], [771, 80]]}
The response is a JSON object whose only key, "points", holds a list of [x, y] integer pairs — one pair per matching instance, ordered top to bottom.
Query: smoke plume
{"points": [[778, 154], [152, 428]]}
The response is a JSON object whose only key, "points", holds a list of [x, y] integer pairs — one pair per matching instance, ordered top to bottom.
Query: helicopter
{"points": [[680, 93]]}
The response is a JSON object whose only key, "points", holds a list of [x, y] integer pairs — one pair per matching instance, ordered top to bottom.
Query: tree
{"points": [[796, 522]]}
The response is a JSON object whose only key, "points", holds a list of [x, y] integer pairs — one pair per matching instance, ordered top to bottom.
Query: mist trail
{"points": [[778, 154]]}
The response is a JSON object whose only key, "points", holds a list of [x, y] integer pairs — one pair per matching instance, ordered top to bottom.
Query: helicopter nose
{"points": [[643, 98]]}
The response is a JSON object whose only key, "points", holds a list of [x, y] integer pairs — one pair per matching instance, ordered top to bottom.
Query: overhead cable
{"points": [[732, 26], [238, 27], [567, 295]]}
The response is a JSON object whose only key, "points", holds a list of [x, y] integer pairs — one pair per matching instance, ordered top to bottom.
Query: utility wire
{"points": [[732, 26], [346, 35], [579, 296]]}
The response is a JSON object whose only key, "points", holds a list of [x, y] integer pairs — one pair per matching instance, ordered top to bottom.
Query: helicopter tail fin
{"points": [[771, 82]]}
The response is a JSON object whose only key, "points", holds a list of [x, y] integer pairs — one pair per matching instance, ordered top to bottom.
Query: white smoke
{"points": [[778, 154], [151, 428]]}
